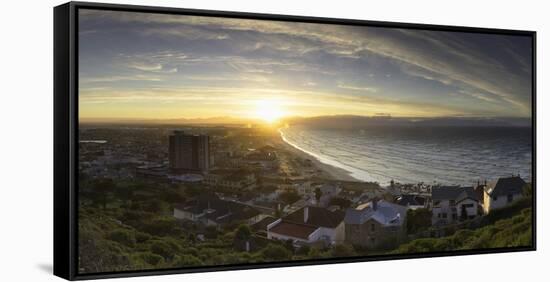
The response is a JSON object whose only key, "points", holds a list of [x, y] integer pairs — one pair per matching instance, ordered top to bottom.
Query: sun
{"points": [[269, 111]]}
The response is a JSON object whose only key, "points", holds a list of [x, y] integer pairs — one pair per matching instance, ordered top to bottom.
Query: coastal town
{"points": [[224, 178]]}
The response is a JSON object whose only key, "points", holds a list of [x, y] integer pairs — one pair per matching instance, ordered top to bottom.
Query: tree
{"points": [[102, 189], [192, 190], [528, 190], [124, 193], [318, 194], [289, 197], [341, 202], [155, 206], [278, 212], [463, 214], [418, 220], [160, 226], [243, 233], [124, 237], [241, 238], [163, 249], [303, 250], [342, 250], [274, 252], [149, 258], [187, 260]]}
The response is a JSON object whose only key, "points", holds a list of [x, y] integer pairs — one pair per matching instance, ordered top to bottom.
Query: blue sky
{"points": [[154, 66]]}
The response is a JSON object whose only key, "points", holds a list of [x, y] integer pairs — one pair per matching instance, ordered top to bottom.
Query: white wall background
{"points": [[27, 124]]}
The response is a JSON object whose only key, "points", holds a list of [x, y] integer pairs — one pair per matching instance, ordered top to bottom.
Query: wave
{"points": [[449, 156]]}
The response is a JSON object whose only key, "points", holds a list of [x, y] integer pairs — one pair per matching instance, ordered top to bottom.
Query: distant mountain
{"points": [[211, 120], [177, 121], [336, 121], [355, 122]]}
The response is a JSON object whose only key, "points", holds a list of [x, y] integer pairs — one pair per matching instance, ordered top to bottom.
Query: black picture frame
{"points": [[66, 129]]}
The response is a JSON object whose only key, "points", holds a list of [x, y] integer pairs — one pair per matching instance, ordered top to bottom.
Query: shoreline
{"points": [[334, 172]]}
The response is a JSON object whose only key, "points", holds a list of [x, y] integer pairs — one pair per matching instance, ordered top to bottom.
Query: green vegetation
{"points": [[289, 197], [341, 202], [418, 220], [129, 226], [512, 232]]}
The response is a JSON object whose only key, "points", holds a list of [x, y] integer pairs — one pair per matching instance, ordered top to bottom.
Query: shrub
{"points": [[160, 226], [122, 236], [142, 237], [162, 248], [303, 250], [343, 250], [276, 253], [149, 258], [186, 261]]}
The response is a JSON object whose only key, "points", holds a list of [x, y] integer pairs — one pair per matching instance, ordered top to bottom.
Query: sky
{"points": [[155, 66]]}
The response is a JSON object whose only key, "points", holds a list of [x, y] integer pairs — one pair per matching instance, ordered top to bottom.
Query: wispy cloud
{"points": [[420, 72], [100, 79], [357, 88]]}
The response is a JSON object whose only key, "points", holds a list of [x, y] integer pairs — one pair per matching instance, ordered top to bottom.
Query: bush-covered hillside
{"points": [[512, 232]]}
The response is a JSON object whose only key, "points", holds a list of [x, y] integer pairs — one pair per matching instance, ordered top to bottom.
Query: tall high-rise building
{"points": [[189, 152]]}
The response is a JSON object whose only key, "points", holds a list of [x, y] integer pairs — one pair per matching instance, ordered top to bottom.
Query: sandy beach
{"points": [[327, 171]]}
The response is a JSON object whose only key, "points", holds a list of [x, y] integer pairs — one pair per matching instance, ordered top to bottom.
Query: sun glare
{"points": [[269, 110]]}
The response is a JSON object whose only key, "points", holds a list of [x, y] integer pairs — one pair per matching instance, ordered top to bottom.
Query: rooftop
{"points": [[505, 186], [455, 193], [410, 200], [218, 210], [385, 213], [317, 216], [262, 224], [294, 229]]}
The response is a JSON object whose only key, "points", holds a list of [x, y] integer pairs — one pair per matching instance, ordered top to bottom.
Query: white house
{"points": [[502, 193], [453, 203], [298, 233]]}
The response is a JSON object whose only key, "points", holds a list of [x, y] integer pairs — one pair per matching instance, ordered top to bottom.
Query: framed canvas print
{"points": [[192, 140]]}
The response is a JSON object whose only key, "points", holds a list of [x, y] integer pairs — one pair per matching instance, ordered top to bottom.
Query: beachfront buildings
{"points": [[188, 152], [502, 192], [453, 203], [375, 223], [309, 225]]}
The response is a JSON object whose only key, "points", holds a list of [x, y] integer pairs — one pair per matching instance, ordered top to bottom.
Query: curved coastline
{"points": [[332, 167]]}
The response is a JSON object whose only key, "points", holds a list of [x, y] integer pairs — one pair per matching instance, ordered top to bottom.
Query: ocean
{"points": [[443, 155]]}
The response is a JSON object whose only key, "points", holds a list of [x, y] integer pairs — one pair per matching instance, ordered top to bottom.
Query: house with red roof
{"points": [[309, 225]]}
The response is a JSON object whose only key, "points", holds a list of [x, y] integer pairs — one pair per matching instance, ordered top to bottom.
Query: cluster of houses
{"points": [[450, 204], [369, 222]]}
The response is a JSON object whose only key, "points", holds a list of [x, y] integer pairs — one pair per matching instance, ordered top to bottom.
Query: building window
{"points": [[510, 198], [452, 202], [468, 205], [444, 215], [454, 216], [372, 227], [372, 241]]}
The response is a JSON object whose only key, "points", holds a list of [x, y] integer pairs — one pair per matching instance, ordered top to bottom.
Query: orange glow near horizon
{"points": [[269, 110]]}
